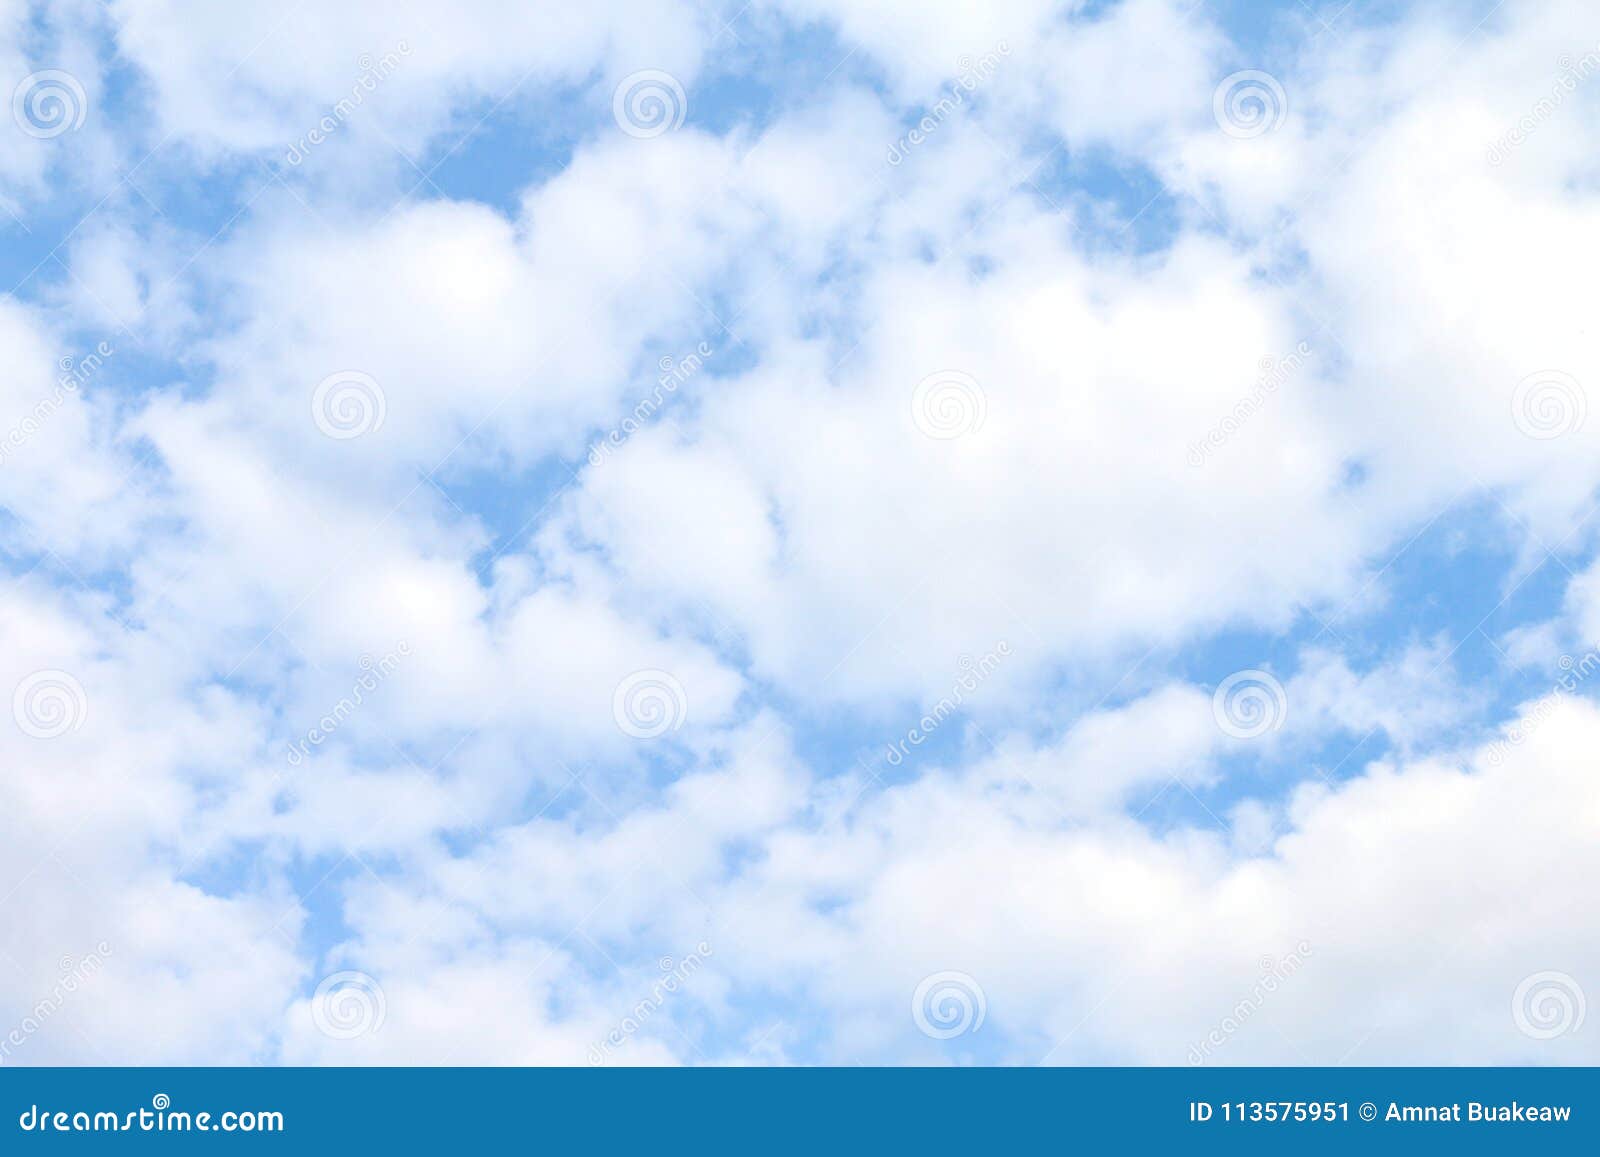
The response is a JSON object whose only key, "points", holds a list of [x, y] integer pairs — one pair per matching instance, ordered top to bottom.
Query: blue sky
{"points": [[882, 411]]}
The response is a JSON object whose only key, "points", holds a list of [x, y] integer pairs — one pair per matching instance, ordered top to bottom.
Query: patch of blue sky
{"points": [[495, 156], [1116, 206]]}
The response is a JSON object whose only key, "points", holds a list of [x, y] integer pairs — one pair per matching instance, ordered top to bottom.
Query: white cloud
{"points": [[258, 78], [1109, 941]]}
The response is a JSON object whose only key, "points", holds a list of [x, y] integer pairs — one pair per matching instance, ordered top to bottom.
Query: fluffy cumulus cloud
{"points": [[228, 81], [804, 532]]}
